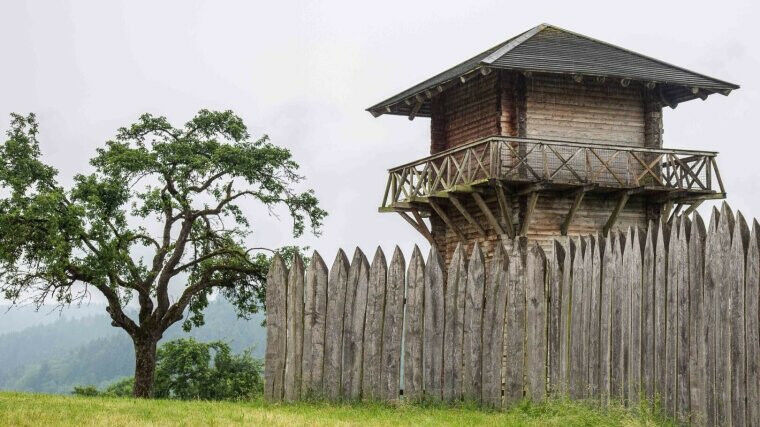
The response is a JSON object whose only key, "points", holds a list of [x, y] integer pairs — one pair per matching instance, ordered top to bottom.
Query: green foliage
{"points": [[188, 369]]}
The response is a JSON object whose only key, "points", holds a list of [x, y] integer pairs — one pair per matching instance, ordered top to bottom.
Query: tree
{"points": [[162, 207]]}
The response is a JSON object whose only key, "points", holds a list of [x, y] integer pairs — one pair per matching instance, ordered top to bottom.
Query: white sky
{"points": [[303, 72]]}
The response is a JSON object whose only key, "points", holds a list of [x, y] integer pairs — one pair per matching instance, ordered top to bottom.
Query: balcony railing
{"points": [[521, 160]]}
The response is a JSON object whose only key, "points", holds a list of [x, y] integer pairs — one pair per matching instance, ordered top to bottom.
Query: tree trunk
{"points": [[145, 367]]}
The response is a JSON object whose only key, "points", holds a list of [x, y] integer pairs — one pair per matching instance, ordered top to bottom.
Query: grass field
{"points": [[35, 409]]}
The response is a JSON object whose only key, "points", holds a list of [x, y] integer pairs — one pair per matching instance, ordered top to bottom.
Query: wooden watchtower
{"points": [[550, 133]]}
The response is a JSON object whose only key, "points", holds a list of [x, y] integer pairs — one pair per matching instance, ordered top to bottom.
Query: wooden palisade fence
{"points": [[668, 313]]}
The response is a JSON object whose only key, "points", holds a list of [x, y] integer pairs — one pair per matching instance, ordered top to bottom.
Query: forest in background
{"points": [[53, 353]]}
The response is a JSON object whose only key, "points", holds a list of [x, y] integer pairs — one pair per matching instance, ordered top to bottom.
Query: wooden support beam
{"points": [[415, 110], [532, 188], [460, 207], [693, 207], [529, 209], [666, 209], [505, 210], [675, 211], [487, 212], [616, 212], [441, 213], [571, 214], [418, 225]]}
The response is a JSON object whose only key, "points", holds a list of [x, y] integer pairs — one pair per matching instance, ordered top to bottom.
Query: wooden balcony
{"points": [[519, 163], [526, 167]]}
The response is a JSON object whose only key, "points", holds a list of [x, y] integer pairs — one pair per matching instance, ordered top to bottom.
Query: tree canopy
{"points": [[162, 205]]}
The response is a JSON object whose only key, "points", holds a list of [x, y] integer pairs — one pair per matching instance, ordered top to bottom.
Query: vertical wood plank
{"points": [[634, 269], [720, 271], [588, 273], [735, 277], [456, 281], [625, 284], [711, 284], [554, 289], [336, 304], [494, 305], [752, 310], [315, 311], [647, 312], [536, 316], [595, 317], [605, 318], [616, 318], [671, 320], [393, 322], [660, 322], [413, 326], [565, 327], [373, 329], [697, 330], [353, 335], [472, 338], [432, 351], [294, 357], [578, 358], [274, 364], [514, 375], [683, 403]]}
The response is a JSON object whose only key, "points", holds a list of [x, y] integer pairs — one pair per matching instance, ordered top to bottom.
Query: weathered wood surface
{"points": [[674, 255], [719, 262], [735, 276], [554, 295], [336, 304], [494, 305], [752, 308], [315, 309], [647, 313], [673, 314], [565, 315], [536, 317], [605, 318], [393, 322], [660, 322], [353, 325], [454, 325], [413, 326], [373, 328], [697, 329], [472, 337], [594, 340], [432, 347], [294, 357], [578, 357], [274, 365], [514, 374]]}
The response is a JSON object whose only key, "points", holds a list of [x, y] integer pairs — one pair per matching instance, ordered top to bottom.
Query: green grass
{"points": [[38, 409]]}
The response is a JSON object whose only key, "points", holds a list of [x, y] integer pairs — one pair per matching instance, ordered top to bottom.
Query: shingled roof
{"points": [[546, 48]]}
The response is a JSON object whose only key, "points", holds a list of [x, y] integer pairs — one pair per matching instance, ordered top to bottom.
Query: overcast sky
{"points": [[303, 72]]}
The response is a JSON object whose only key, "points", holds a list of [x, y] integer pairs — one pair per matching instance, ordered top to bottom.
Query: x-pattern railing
{"points": [[550, 161]]}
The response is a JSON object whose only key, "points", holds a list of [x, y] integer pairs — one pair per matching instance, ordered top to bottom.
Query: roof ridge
{"points": [[513, 43], [659, 61]]}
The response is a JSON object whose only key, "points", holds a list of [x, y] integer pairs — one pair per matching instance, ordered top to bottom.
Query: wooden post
{"points": [[461, 208], [530, 208], [506, 210], [487, 212], [615, 212], [571, 214], [736, 279], [456, 281], [336, 304], [315, 310], [473, 312], [393, 321], [535, 323], [515, 324], [353, 325], [753, 326], [373, 329], [413, 329], [493, 334], [432, 344], [294, 357], [274, 366]]}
